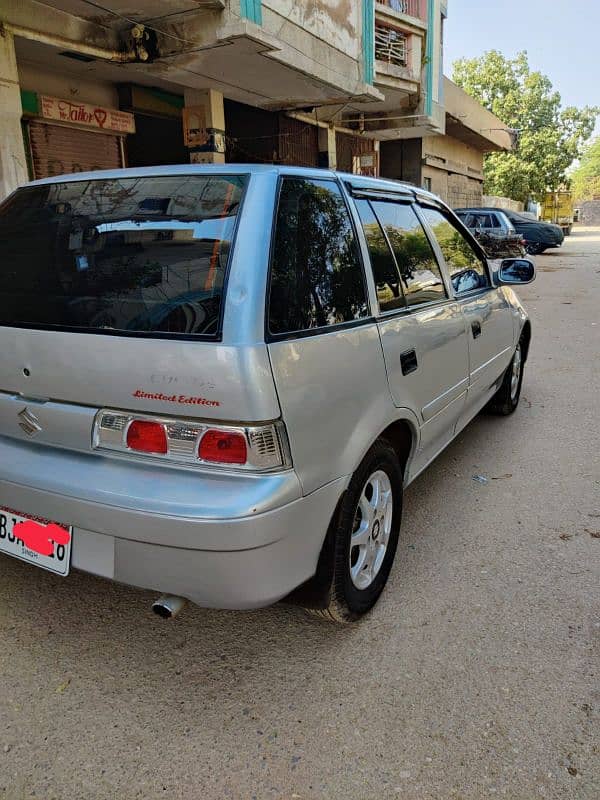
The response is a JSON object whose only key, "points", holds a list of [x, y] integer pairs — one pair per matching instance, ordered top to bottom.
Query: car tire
{"points": [[535, 248], [506, 399], [365, 532]]}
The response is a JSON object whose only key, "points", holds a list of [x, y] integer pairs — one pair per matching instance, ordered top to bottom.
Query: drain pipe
{"points": [[168, 606]]}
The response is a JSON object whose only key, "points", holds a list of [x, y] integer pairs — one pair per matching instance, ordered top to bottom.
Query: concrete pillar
{"points": [[211, 103], [327, 149], [13, 163]]}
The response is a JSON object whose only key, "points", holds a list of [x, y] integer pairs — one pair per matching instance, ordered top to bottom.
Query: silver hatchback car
{"points": [[216, 381]]}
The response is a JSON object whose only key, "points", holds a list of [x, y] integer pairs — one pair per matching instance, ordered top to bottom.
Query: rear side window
{"points": [[140, 255], [467, 270], [385, 272], [316, 273], [420, 275]]}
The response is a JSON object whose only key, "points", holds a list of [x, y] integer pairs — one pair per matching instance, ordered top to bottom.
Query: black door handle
{"points": [[476, 328], [408, 362]]}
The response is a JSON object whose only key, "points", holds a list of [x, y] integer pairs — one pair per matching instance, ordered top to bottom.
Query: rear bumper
{"points": [[245, 552]]}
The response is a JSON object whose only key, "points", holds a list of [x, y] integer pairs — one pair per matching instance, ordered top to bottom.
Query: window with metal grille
{"points": [[390, 45]]}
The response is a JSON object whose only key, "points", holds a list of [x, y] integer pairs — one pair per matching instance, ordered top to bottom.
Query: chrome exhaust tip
{"points": [[168, 606]]}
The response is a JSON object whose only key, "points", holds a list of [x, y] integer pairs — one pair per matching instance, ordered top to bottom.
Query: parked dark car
{"points": [[494, 232], [539, 236]]}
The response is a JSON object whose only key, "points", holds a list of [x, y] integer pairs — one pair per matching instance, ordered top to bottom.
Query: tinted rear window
{"points": [[139, 255], [316, 271]]}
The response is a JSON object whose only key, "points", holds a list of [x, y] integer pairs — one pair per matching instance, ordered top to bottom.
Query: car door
{"points": [[487, 316], [421, 327], [323, 342]]}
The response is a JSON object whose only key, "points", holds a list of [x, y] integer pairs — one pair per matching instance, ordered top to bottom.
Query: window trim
{"points": [[376, 193], [369, 200], [470, 239], [411, 310], [380, 316], [303, 333], [180, 337]]}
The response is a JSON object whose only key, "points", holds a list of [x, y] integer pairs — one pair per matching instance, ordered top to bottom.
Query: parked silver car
{"points": [[216, 381]]}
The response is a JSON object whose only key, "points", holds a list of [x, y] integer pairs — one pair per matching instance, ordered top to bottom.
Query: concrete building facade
{"points": [[323, 82], [450, 165]]}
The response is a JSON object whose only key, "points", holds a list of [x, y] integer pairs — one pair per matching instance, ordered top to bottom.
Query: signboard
{"points": [[107, 119], [194, 126], [366, 164]]}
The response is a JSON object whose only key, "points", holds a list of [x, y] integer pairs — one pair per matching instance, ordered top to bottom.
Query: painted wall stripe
{"points": [[252, 10], [368, 40]]}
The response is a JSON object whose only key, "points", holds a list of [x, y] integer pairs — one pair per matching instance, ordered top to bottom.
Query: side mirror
{"points": [[515, 271]]}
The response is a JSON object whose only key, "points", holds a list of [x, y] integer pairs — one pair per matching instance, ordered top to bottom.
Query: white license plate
{"points": [[39, 541]]}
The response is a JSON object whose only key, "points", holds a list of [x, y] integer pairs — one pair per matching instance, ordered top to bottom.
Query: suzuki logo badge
{"points": [[29, 422]]}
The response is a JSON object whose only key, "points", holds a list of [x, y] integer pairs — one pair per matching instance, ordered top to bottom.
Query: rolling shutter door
{"points": [[58, 149]]}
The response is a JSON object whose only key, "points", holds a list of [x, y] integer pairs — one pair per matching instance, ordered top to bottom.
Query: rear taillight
{"points": [[147, 437], [223, 447], [248, 447]]}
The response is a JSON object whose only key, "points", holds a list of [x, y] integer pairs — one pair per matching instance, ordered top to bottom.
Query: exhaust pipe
{"points": [[168, 606]]}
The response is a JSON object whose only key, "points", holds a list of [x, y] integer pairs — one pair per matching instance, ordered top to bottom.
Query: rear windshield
{"points": [[139, 255]]}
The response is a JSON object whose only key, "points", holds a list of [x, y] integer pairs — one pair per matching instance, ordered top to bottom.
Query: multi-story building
{"points": [[321, 82], [450, 165]]}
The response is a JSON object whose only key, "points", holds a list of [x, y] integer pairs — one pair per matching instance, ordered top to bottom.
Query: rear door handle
{"points": [[476, 328], [408, 362]]}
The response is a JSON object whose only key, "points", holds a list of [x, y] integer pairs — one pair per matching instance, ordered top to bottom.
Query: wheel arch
{"points": [[526, 338], [403, 437]]}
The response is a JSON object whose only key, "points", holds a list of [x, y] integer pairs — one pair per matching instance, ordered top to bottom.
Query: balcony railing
{"points": [[415, 8], [390, 45]]}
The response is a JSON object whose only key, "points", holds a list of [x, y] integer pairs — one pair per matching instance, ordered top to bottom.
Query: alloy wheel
{"points": [[515, 373], [371, 529]]}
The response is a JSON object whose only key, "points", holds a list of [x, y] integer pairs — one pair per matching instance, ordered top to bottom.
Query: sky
{"points": [[562, 40]]}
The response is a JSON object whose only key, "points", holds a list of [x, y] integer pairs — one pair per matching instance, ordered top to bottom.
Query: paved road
{"points": [[477, 676]]}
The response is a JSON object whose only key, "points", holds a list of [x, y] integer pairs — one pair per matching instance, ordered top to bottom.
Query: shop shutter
{"points": [[252, 134], [256, 135], [157, 140], [298, 142], [347, 147], [59, 149]]}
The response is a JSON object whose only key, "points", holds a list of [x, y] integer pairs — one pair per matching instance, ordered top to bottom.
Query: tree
{"points": [[549, 137], [585, 179]]}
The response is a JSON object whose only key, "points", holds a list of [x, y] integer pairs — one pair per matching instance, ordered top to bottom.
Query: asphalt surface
{"points": [[476, 676]]}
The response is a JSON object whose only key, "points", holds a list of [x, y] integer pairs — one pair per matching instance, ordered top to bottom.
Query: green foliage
{"points": [[550, 137], [585, 180]]}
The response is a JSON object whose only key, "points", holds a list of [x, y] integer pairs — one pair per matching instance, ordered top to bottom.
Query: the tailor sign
{"points": [[107, 119]]}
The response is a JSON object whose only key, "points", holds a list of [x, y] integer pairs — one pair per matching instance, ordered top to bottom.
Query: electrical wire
{"points": [[132, 21], [136, 22], [232, 140]]}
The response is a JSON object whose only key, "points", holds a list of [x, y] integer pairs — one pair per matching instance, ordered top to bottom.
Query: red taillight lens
{"points": [[147, 437], [223, 447]]}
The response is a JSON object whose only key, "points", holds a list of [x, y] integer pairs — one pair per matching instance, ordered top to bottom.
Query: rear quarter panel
{"points": [[335, 400]]}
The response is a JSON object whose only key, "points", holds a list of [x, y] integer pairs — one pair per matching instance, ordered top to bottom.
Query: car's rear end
{"points": [[494, 231], [140, 429]]}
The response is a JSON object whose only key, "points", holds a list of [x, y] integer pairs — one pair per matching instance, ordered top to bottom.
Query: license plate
{"points": [[38, 541]]}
